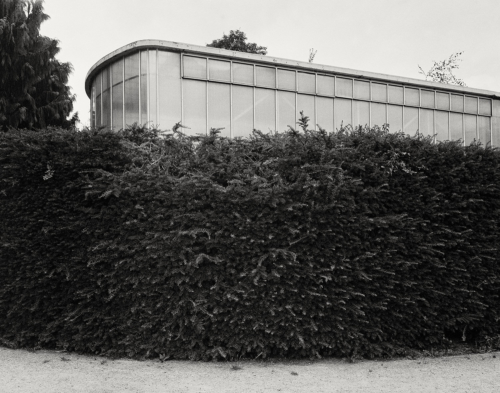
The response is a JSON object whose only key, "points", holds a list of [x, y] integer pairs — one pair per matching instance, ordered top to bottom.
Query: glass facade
{"points": [[161, 87]]}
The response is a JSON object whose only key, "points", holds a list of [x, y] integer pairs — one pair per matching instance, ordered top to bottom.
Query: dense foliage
{"points": [[237, 41], [33, 83], [354, 243]]}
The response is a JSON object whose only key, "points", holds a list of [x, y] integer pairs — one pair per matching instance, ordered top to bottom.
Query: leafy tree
{"points": [[236, 40], [442, 71], [33, 83]]}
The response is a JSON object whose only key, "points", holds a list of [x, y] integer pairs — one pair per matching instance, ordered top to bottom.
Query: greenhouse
{"points": [[160, 83]]}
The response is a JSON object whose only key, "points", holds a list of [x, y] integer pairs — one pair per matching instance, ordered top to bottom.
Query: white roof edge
{"points": [[275, 61]]}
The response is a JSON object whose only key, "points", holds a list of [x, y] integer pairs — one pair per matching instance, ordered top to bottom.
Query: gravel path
{"points": [[52, 372]]}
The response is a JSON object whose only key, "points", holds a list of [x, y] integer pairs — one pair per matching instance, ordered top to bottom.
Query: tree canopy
{"points": [[236, 40], [33, 83]]}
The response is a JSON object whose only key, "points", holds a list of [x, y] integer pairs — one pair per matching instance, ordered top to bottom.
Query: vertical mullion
{"points": [[102, 73], [148, 81], [254, 83], [140, 86], [182, 87], [157, 91], [123, 93], [111, 95], [231, 99], [206, 102], [315, 103], [275, 109], [231, 110], [418, 120], [449, 120], [434, 121], [463, 126]]}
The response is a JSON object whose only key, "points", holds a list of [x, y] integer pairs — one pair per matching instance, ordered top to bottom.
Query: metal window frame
{"points": [[318, 74], [209, 78], [276, 88], [369, 90]]}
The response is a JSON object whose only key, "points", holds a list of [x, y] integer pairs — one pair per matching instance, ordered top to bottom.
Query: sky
{"points": [[386, 36]]}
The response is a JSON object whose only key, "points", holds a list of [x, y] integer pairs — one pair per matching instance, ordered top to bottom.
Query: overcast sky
{"points": [[387, 36]]}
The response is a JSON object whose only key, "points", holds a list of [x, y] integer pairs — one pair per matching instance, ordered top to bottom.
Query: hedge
{"points": [[358, 243]]}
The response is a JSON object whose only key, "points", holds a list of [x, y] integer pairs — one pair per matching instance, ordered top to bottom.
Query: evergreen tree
{"points": [[236, 40], [33, 83]]}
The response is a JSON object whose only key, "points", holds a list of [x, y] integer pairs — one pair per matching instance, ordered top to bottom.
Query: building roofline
{"points": [[275, 61]]}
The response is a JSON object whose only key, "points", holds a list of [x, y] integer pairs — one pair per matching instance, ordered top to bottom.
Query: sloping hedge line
{"points": [[354, 243]]}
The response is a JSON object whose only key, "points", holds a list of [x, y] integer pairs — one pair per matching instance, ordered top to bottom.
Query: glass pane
{"points": [[132, 66], [195, 67], [219, 70], [117, 72], [243, 73], [266, 76], [106, 79], [286, 80], [97, 82], [307, 83], [326, 85], [144, 87], [152, 88], [344, 88], [132, 89], [169, 89], [362, 90], [379, 92], [117, 94], [396, 94], [412, 97], [427, 98], [97, 99], [132, 101], [443, 101], [457, 103], [306, 104], [471, 104], [92, 105], [117, 106], [195, 106], [484, 107], [495, 107], [219, 108], [265, 110], [286, 110], [98, 111], [242, 111], [106, 112], [324, 112], [342, 113], [360, 113], [378, 114], [395, 118], [410, 118], [426, 122], [441, 124], [456, 126], [470, 128], [484, 129], [495, 131]]}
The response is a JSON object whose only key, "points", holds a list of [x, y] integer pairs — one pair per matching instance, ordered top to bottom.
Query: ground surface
{"points": [[52, 372]]}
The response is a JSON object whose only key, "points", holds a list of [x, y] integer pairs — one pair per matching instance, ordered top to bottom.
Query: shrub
{"points": [[353, 243]]}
